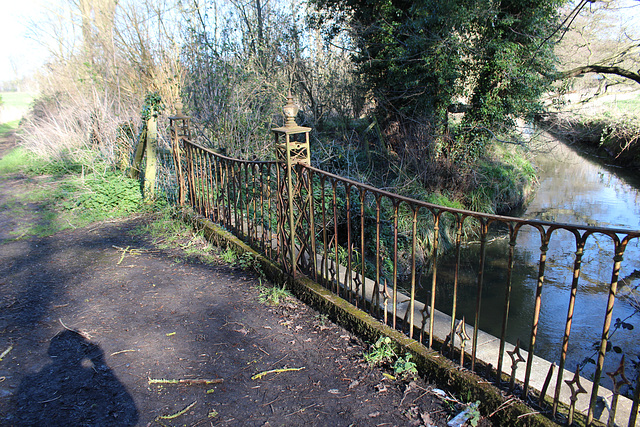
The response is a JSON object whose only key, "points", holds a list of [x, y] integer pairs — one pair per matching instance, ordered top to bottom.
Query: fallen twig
{"points": [[124, 252], [122, 351], [4, 353], [274, 371], [184, 381], [502, 406], [301, 409], [177, 414]]}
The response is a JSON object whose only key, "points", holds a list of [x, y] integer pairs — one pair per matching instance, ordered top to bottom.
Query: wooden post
{"points": [[152, 159], [136, 165]]}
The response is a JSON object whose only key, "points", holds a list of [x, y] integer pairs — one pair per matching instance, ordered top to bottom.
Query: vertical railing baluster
{"points": [[215, 163], [191, 177], [211, 185], [227, 193], [396, 205], [270, 209], [263, 223], [312, 231], [513, 233], [580, 242], [483, 253], [325, 257], [336, 266], [348, 273], [434, 275], [376, 286], [613, 288], [363, 293], [412, 296], [454, 303], [538, 304]]}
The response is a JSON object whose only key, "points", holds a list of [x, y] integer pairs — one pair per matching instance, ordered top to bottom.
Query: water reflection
{"points": [[573, 189]]}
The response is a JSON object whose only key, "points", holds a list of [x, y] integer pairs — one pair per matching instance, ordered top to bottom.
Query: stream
{"points": [[576, 188]]}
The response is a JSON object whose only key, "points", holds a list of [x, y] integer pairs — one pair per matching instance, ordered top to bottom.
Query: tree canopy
{"points": [[419, 58]]}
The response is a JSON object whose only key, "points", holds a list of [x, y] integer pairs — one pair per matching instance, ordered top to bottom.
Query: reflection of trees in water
{"points": [[590, 303], [76, 388]]}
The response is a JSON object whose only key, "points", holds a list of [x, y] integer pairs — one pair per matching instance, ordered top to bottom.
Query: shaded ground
{"points": [[90, 315]]}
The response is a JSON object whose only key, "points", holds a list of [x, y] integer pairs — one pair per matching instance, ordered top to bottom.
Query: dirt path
{"points": [[88, 324]]}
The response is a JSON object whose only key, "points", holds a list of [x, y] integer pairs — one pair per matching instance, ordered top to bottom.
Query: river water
{"points": [[575, 188]]}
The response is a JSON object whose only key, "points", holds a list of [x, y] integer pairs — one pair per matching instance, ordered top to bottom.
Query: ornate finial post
{"points": [[290, 111], [180, 130], [292, 148]]}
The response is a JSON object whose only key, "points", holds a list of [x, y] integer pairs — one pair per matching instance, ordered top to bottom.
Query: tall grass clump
{"points": [[82, 130]]}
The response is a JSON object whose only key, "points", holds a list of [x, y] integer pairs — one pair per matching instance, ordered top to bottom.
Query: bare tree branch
{"points": [[602, 69]]}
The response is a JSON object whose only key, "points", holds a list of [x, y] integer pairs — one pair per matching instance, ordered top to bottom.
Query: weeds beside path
{"points": [[111, 325]]}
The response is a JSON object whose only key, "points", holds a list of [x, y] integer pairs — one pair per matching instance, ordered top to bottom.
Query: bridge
{"points": [[406, 263]]}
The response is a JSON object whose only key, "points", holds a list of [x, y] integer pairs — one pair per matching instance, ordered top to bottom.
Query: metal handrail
{"points": [[333, 248]]}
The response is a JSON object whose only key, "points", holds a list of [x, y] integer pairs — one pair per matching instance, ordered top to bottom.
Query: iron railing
{"points": [[446, 277]]}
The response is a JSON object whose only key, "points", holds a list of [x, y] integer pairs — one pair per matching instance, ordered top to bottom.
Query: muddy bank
{"points": [[618, 140]]}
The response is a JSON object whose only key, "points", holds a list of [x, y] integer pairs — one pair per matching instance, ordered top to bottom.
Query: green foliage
{"points": [[419, 58], [21, 100], [152, 106], [8, 127], [21, 160], [14, 161], [504, 177], [109, 195], [229, 256], [247, 261], [273, 295], [381, 353], [405, 368], [473, 410]]}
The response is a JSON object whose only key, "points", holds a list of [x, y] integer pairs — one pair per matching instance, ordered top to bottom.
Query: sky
{"points": [[20, 54]]}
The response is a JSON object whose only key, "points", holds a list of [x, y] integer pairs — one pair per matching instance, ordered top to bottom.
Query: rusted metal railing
{"points": [[424, 269]]}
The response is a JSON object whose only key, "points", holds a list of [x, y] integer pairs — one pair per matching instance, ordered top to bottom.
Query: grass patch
{"points": [[17, 99], [625, 106], [8, 127], [15, 161], [23, 161], [505, 180], [62, 194], [168, 231], [273, 295]]}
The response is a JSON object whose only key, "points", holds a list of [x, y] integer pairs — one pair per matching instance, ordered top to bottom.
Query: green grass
{"points": [[17, 99], [626, 105], [6, 128], [21, 160], [14, 161], [62, 194], [168, 231], [273, 295]]}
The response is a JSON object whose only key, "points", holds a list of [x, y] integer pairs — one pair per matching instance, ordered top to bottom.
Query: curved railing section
{"points": [[537, 307]]}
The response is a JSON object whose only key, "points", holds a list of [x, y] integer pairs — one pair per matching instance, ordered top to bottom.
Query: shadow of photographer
{"points": [[76, 389]]}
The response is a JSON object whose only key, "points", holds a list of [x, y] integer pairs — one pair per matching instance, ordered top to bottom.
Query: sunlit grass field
{"points": [[17, 99], [626, 106]]}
